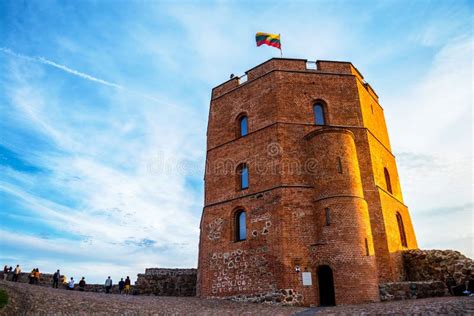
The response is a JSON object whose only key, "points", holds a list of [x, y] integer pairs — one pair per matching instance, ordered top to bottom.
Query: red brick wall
{"points": [[294, 176], [341, 244]]}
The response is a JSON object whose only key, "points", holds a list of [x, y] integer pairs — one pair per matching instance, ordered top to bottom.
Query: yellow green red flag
{"points": [[268, 39]]}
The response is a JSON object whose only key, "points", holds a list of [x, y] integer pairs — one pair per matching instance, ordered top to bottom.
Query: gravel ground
{"points": [[28, 299]]}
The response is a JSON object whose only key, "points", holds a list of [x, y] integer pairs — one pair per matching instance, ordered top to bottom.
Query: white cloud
{"points": [[431, 133], [131, 198]]}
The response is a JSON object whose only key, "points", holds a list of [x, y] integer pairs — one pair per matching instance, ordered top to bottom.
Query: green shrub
{"points": [[3, 298]]}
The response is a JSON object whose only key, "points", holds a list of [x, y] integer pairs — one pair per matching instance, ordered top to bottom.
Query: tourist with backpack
{"points": [[5, 273]]}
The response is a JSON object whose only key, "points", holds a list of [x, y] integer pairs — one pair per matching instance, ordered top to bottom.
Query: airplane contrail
{"points": [[45, 61], [48, 62]]}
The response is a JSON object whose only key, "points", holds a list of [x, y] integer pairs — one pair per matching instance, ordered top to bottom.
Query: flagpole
{"points": [[281, 52]]}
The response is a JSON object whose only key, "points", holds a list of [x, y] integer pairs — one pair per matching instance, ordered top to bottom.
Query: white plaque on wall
{"points": [[307, 278]]}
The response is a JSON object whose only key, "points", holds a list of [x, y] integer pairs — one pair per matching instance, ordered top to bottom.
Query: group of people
{"points": [[15, 273], [34, 278], [58, 278], [71, 284], [123, 286]]}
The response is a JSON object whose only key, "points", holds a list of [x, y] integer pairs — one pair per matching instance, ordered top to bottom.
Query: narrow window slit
{"points": [[339, 164], [328, 216]]}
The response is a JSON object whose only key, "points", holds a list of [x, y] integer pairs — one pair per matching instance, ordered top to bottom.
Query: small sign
{"points": [[307, 278]]}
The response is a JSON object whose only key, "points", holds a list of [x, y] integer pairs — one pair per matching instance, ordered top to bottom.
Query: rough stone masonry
{"points": [[167, 282]]}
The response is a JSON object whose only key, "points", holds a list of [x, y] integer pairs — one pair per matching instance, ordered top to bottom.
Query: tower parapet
{"points": [[289, 64]]}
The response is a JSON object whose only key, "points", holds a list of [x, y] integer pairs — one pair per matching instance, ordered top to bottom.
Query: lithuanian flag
{"points": [[268, 39]]}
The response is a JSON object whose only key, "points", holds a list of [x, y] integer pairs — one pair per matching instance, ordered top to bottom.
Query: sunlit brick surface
{"points": [[297, 171]]}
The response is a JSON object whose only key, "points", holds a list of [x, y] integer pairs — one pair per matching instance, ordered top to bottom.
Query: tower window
{"points": [[318, 111], [243, 126], [339, 164], [243, 176], [387, 180], [328, 216], [240, 226], [401, 229], [367, 252]]}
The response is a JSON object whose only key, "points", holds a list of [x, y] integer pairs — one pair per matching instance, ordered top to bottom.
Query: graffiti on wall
{"points": [[261, 225], [215, 229], [241, 270]]}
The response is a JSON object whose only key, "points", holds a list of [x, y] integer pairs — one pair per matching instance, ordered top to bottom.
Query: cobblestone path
{"points": [[28, 299]]}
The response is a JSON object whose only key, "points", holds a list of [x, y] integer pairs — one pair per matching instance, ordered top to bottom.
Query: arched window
{"points": [[318, 111], [243, 125], [243, 176], [387, 180], [240, 226], [401, 229]]}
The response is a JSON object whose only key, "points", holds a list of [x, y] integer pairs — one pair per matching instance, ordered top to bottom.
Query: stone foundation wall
{"points": [[426, 265], [167, 282], [411, 290], [286, 297]]}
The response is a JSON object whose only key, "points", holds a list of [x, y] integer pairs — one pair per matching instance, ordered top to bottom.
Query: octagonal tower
{"points": [[302, 195]]}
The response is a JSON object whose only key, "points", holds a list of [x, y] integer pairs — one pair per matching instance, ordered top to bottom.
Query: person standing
{"points": [[5, 273], [16, 273], [37, 275], [31, 277], [56, 277], [71, 284], [82, 284], [108, 285], [121, 285], [127, 285]]}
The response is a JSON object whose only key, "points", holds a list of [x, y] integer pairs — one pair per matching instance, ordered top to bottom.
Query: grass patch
{"points": [[3, 298]]}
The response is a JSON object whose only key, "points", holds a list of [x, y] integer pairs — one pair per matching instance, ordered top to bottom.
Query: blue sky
{"points": [[104, 104]]}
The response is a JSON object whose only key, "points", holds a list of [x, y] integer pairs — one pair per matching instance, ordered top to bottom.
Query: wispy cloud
{"points": [[45, 61], [83, 75], [113, 193]]}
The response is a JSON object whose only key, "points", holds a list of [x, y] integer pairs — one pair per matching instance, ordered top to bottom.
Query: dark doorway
{"points": [[326, 286]]}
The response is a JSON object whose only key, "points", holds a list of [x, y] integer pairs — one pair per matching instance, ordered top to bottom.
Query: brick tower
{"points": [[302, 195]]}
